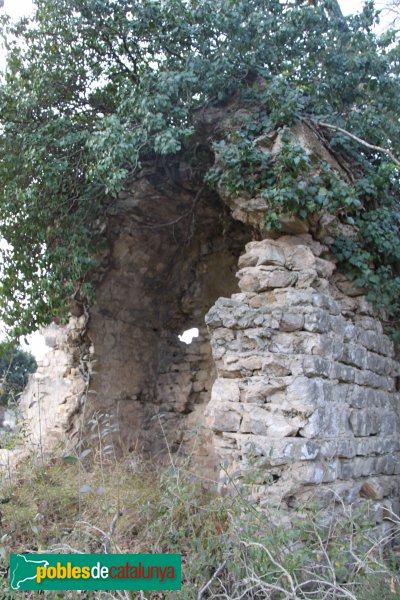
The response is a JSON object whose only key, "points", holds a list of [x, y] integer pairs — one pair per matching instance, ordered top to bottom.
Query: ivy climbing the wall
{"points": [[95, 89]]}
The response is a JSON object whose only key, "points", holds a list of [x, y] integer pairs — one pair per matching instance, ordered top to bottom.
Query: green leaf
{"points": [[70, 459]]}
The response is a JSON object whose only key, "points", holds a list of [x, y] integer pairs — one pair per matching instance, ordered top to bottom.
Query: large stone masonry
{"points": [[290, 390], [304, 406]]}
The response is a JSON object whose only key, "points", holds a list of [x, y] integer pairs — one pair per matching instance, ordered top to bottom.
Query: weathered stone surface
{"points": [[291, 224], [262, 253], [300, 258], [324, 268], [260, 279], [348, 287], [292, 321], [317, 321], [294, 377], [225, 389], [259, 390], [54, 394], [322, 408], [225, 418], [365, 422]]}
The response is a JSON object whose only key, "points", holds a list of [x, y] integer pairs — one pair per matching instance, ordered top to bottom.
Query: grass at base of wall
{"points": [[230, 549]]}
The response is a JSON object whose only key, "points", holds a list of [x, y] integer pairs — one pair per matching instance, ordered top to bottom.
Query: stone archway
{"points": [[172, 253], [293, 375]]}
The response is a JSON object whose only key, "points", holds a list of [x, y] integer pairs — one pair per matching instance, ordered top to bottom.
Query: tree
{"points": [[392, 9], [94, 88], [15, 367]]}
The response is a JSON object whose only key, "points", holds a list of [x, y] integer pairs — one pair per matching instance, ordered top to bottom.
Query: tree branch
{"points": [[333, 7], [360, 141], [207, 585]]}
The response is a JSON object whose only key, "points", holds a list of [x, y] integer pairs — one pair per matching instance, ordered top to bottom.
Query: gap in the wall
{"points": [[189, 335], [35, 344]]}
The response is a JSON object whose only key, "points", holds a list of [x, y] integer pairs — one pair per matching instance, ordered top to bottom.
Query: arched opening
{"points": [[162, 277]]}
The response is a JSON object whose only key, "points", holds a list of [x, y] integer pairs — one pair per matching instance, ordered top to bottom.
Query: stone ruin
{"points": [[291, 379]]}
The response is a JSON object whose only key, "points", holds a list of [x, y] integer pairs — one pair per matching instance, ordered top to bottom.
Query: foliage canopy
{"points": [[94, 87], [15, 367]]}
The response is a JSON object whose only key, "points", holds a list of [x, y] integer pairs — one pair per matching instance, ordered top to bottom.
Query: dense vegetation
{"points": [[93, 88], [15, 367], [230, 549]]}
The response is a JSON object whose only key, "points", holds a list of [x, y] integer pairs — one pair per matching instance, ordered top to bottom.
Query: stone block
{"points": [[293, 225], [267, 253], [274, 256], [300, 258], [249, 259], [325, 268], [307, 278], [260, 279], [347, 287], [293, 297], [326, 302], [364, 307], [213, 318], [291, 321], [317, 321], [368, 323], [338, 325], [350, 332], [253, 341], [282, 343], [380, 344], [336, 349], [354, 355], [250, 363], [276, 365], [315, 366], [228, 371], [344, 373], [373, 380], [198, 386], [225, 390], [260, 390], [307, 391], [361, 397], [224, 417], [256, 420], [327, 422], [365, 422], [389, 423], [377, 445], [342, 447], [346, 448], [308, 450], [279, 452], [386, 465], [358, 467], [346, 469], [316, 473], [372, 490], [346, 492]]}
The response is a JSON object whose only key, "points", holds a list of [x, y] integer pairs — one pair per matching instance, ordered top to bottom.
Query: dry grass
{"points": [[230, 549]]}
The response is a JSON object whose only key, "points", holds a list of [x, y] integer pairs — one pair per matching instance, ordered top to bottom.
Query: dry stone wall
{"points": [[52, 402], [305, 405], [50, 408]]}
